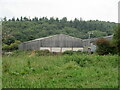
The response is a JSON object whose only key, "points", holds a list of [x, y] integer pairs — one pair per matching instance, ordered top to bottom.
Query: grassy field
{"points": [[62, 71]]}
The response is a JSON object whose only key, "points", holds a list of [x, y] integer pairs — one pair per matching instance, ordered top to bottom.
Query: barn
{"points": [[87, 42], [55, 43], [90, 43]]}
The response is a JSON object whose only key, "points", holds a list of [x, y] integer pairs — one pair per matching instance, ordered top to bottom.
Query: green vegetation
{"points": [[25, 29], [116, 38], [105, 47], [26, 69], [71, 69]]}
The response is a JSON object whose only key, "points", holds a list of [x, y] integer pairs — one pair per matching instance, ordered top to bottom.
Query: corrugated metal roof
{"points": [[68, 36], [111, 36], [50, 37]]}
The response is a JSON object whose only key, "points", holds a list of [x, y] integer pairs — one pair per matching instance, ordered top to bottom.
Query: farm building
{"points": [[87, 42], [55, 43], [61, 43], [90, 43]]}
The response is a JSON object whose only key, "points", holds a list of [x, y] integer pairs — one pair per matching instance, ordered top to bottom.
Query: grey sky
{"points": [[105, 10]]}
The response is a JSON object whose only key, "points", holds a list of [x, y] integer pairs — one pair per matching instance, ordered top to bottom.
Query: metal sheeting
{"points": [[60, 40], [86, 42]]}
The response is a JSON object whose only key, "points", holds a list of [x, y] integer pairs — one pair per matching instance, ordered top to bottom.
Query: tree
{"points": [[21, 18], [36, 18], [4, 19], [13, 19], [17, 19], [25, 19], [57, 19], [51, 20], [28, 30], [97, 33], [117, 38], [9, 40], [14, 46], [103, 46], [5, 47], [11, 47]]}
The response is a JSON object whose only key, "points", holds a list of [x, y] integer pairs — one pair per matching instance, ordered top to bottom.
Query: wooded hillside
{"points": [[25, 29]]}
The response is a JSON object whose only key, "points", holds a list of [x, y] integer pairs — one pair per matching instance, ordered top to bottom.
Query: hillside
{"points": [[24, 29]]}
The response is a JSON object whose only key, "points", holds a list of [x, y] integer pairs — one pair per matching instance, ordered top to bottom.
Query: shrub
{"points": [[116, 38], [14, 46], [103, 46], [5, 47], [11, 47], [113, 48], [20, 52], [42, 52], [70, 52], [81, 52], [82, 61], [70, 65]]}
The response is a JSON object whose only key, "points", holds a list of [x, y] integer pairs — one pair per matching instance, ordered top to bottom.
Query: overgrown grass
{"points": [[60, 71]]}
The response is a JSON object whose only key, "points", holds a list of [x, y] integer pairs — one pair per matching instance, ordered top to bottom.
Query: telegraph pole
{"points": [[89, 33]]}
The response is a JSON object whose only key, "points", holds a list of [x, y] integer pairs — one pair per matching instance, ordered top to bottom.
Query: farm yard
{"points": [[27, 69]]}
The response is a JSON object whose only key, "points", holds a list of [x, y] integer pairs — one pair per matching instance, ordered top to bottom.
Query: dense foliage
{"points": [[25, 29], [116, 38], [105, 47], [21, 70]]}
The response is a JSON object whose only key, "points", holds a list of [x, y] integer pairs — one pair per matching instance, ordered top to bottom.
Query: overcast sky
{"points": [[105, 10]]}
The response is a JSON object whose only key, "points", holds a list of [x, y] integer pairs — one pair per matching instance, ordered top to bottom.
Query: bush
{"points": [[116, 38], [14, 46], [103, 46], [5, 47], [11, 47], [113, 48], [21, 52], [69, 52], [81, 52], [43, 53], [82, 61]]}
